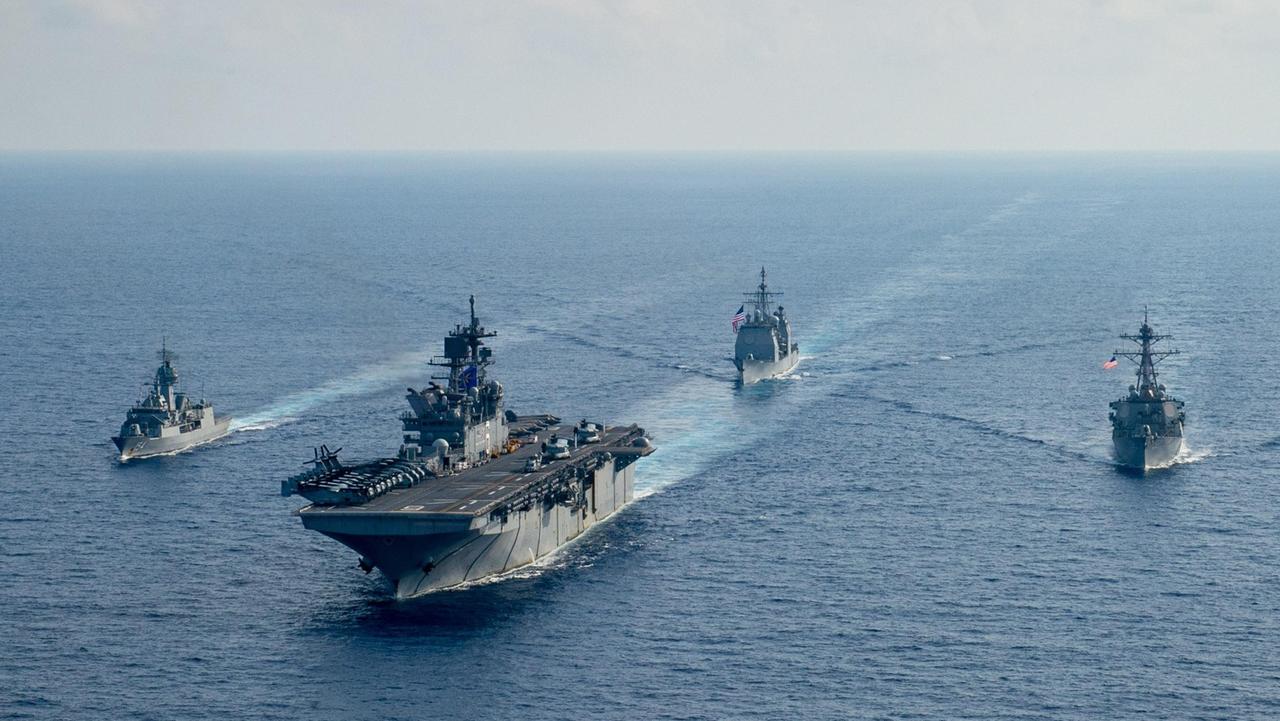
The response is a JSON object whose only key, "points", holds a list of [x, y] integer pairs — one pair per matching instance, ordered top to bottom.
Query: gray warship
{"points": [[765, 347], [167, 421], [1146, 424], [475, 490]]}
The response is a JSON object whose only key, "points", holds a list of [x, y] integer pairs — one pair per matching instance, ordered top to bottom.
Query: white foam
{"points": [[372, 379], [696, 422], [252, 424], [691, 424], [1190, 455], [1185, 456]]}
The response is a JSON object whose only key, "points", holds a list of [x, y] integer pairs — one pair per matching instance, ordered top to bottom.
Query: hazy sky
{"points": [[640, 75]]}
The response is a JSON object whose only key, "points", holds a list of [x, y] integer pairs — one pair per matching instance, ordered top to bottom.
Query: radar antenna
{"points": [[762, 298], [464, 355], [166, 356], [1147, 357], [166, 375]]}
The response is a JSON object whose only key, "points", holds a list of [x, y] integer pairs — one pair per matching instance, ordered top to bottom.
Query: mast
{"points": [[762, 298], [464, 355], [1147, 357], [166, 374]]}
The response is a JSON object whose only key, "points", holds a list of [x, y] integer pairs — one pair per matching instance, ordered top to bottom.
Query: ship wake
{"points": [[373, 379], [698, 422], [692, 425], [1188, 455]]}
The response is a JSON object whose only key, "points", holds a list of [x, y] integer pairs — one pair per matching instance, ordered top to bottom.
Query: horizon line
{"points": [[639, 151]]}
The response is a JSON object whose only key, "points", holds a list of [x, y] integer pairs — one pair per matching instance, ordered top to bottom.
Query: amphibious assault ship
{"points": [[765, 347], [167, 421], [1146, 424], [475, 489]]}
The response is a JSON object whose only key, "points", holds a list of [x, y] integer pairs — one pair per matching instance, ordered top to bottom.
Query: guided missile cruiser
{"points": [[765, 347], [167, 421], [1146, 424], [475, 490]]}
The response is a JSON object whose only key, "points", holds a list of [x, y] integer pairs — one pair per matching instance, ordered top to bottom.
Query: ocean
{"points": [[923, 522]]}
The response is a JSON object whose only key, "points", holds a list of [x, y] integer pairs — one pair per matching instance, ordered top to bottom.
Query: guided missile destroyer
{"points": [[765, 347], [167, 421], [1146, 425], [475, 490]]}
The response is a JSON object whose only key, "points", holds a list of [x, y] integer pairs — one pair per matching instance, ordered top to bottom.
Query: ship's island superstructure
{"points": [[765, 346], [166, 420], [1146, 424], [475, 490]]}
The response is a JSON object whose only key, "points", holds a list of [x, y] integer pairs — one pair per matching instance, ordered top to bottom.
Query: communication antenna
{"points": [[762, 298], [1147, 357]]}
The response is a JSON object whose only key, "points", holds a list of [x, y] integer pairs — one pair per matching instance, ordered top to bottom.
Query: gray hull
{"points": [[752, 371], [145, 446], [1139, 452], [424, 554]]}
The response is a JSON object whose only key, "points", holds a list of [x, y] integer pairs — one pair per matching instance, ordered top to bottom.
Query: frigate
{"points": [[765, 347], [166, 420], [1146, 424], [475, 490]]}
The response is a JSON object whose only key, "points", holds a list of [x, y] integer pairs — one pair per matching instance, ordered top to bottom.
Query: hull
{"points": [[752, 371], [145, 446], [1139, 452], [418, 556]]}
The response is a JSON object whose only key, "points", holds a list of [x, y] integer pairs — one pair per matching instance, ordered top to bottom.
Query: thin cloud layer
{"points": [[631, 75]]}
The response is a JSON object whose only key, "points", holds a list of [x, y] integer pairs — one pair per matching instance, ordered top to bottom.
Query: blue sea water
{"points": [[924, 523]]}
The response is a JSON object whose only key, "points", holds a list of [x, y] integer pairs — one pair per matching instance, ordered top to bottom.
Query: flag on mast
{"points": [[740, 317], [1111, 363], [469, 378]]}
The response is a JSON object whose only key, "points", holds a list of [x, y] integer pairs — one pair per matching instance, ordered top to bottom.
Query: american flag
{"points": [[740, 317], [1111, 363]]}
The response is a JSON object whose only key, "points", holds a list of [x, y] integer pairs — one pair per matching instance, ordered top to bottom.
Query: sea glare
{"points": [[924, 522]]}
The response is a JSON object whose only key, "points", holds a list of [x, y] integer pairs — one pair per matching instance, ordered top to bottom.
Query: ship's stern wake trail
{"points": [[405, 367], [705, 417], [700, 420]]}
